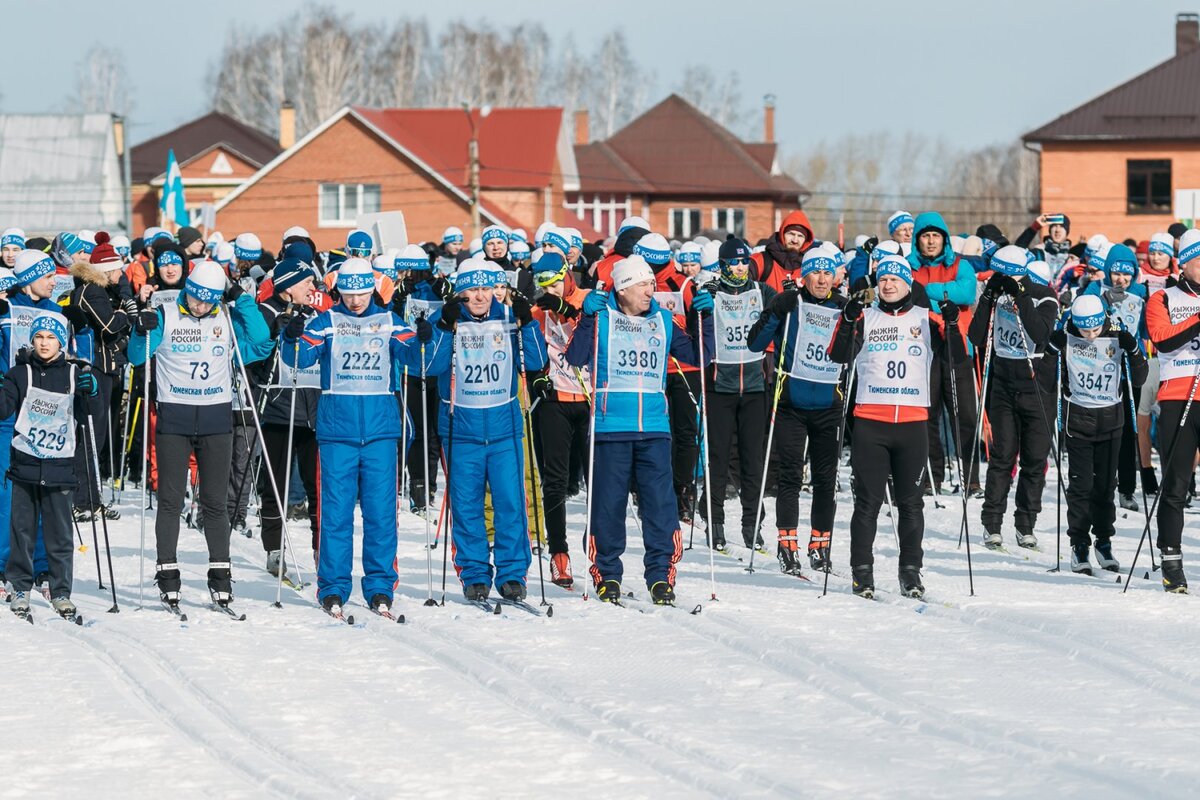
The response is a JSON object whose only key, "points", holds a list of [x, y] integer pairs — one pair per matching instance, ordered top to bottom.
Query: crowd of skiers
{"points": [[526, 372]]}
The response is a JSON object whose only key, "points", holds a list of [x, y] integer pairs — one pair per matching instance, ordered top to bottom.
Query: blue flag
{"points": [[172, 204]]}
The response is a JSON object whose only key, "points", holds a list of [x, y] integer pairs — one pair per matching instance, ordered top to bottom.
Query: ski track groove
{"points": [[553, 699], [917, 718], [243, 758]]}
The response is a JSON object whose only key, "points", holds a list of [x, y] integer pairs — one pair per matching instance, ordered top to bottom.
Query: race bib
{"points": [[164, 297], [671, 301], [414, 309], [1129, 312], [734, 315], [21, 319], [1009, 336], [637, 354], [360, 357], [810, 358], [193, 361], [1184, 362], [893, 365], [483, 367], [1093, 371], [562, 374], [45, 426]]}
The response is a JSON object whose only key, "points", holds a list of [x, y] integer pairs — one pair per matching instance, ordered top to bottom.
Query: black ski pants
{"points": [[683, 392], [940, 397], [747, 415], [819, 428], [1019, 428], [562, 429], [432, 448], [882, 450], [245, 451], [305, 452], [214, 453], [1127, 462], [1092, 468], [1177, 468], [87, 488], [52, 506]]}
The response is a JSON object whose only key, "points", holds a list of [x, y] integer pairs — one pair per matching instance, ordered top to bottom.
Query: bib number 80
{"points": [[896, 370]]}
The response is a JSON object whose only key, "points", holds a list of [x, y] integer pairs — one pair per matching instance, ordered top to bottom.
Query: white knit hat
{"points": [[630, 271]]}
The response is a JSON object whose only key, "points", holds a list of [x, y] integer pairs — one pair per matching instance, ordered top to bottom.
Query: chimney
{"points": [[1187, 33], [769, 118], [118, 124], [287, 125], [581, 127]]}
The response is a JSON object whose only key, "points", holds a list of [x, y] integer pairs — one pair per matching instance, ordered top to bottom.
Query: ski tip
{"points": [[1146, 577], [699, 608], [496, 609], [550, 611], [400, 619], [350, 620]]}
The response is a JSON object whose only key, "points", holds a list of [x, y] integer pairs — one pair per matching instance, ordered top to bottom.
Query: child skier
{"points": [[48, 394]]}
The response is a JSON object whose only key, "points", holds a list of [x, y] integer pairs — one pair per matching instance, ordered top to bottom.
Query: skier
{"points": [[900, 229], [12, 241], [1055, 243], [782, 255], [1158, 270], [1173, 323], [630, 337], [893, 345], [192, 346], [362, 350], [477, 353], [1094, 358], [48, 394], [735, 400], [810, 405], [1019, 406], [562, 413]]}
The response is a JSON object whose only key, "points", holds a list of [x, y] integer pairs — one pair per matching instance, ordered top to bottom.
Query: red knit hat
{"points": [[104, 254]]}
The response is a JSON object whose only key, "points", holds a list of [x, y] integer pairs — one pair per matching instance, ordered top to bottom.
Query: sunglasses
{"points": [[738, 262]]}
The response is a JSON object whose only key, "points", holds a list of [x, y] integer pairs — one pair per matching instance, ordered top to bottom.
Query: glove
{"points": [[869, 245], [861, 284], [789, 285], [994, 286], [1011, 286], [405, 287], [233, 293], [596, 300], [703, 303], [785, 303], [556, 305], [3, 306], [129, 306], [521, 308], [853, 310], [949, 311], [450, 313], [146, 321], [295, 327], [424, 330], [1127, 341], [23, 355], [85, 385], [541, 388]]}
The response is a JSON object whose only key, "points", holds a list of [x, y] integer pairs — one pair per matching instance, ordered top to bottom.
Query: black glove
{"points": [[870, 244], [1171, 281], [861, 284], [789, 285], [994, 286], [405, 287], [1011, 287], [233, 293], [785, 303], [556, 305], [3, 306], [129, 306], [521, 308], [853, 310], [949, 311], [450, 313], [146, 321], [295, 327], [424, 330], [1127, 341], [23, 355], [541, 388]]}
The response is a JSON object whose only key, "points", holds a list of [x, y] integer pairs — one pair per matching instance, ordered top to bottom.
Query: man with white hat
{"points": [[12, 241], [629, 338], [193, 348], [481, 348], [362, 349]]}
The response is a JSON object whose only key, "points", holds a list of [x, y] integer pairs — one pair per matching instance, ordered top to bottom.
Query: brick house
{"points": [[216, 154], [363, 160], [1127, 163], [684, 174]]}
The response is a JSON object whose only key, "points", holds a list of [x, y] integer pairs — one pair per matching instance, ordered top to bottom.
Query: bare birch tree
{"points": [[101, 83]]}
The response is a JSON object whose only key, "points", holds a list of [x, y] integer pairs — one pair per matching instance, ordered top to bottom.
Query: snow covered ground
{"points": [[1040, 685]]}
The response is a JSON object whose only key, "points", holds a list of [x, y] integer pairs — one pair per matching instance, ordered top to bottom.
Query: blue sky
{"points": [[973, 73]]}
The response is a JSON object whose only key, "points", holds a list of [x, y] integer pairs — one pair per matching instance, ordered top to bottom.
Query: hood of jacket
{"points": [[926, 221], [90, 273]]}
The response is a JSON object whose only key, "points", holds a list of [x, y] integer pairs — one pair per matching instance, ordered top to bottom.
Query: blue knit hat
{"points": [[898, 219], [493, 232], [452, 235], [13, 236], [557, 238], [359, 243], [1162, 243], [1189, 246], [247, 247], [412, 258], [817, 260], [31, 265], [895, 266], [289, 272], [478, 273], [206, 282], [51, 323]]}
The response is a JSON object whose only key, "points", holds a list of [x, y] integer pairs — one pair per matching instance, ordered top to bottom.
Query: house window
{"points": [[1148, 186], [340, 204], [603, 212], [732, 220], [685, 223]]}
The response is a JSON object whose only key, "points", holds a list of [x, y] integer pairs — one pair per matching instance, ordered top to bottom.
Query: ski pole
{"points": [[780, 378], [1187, 407], [132, 420], [1058, 426], [954, 430], [841, 447], [1137, 449], [449, 461], [92, 467], [968, 467], [145, 470], [533, 476], [287, 478], [589, 535], [712, 567], [429, 601]]}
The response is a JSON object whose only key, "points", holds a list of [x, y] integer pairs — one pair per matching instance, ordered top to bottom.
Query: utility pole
{"points": [[473, 165]]}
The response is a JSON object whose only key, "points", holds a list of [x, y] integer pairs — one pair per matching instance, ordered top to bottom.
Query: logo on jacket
{"points": [[374, 327], [915, 331], [216, 332], [497, 339], [655, 341], [915, 350], [1110, 351]]}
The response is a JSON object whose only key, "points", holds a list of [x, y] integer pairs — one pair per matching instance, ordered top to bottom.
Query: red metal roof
{"points": [[517, 146]]}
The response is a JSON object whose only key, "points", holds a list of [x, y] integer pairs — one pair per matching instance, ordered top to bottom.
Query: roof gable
{"points": [[1161, 103], [148, 160]]}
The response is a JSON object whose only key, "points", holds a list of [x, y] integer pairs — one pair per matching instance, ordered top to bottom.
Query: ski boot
{"points": [[1149, 481], [975, 492], [685, 498], [1127, 502], [298, 512], [110, 513], [81, 514], [239, 526], [717, 531], [753, 539], [992, 539], [1026, 539], [818, 550], [788, 552], [1104, 555], [1079, 559], [275, 563], [560, 570], [167, 577], [1173, 578], [42, 582], [864, 582], [220, 583], [910, 583], [3, 588], [512, 590], [476, 592], [609, 592], [663, 594], [381, 604], [20, 605], [332, 605], [64, 608]]}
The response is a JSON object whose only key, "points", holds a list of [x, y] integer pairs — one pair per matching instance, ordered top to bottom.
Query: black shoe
{"points": [[573, 489], [976, 491], [685, 498], [298, 512], [110, 513], [82, 514], [718, 536], [750, 539], [818, 550], [1104, 556], [1079, 559], [789, 560], [41, 579], [168, 579], [864, 581], [1174, 581], [220, 582], [910, 583], [512, 590], [476, 591], [609, 591], [663, 594], [381, 602], [331, 603]]}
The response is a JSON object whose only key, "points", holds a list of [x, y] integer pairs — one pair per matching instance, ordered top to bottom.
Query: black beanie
{"points": [[1177, 229]]}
